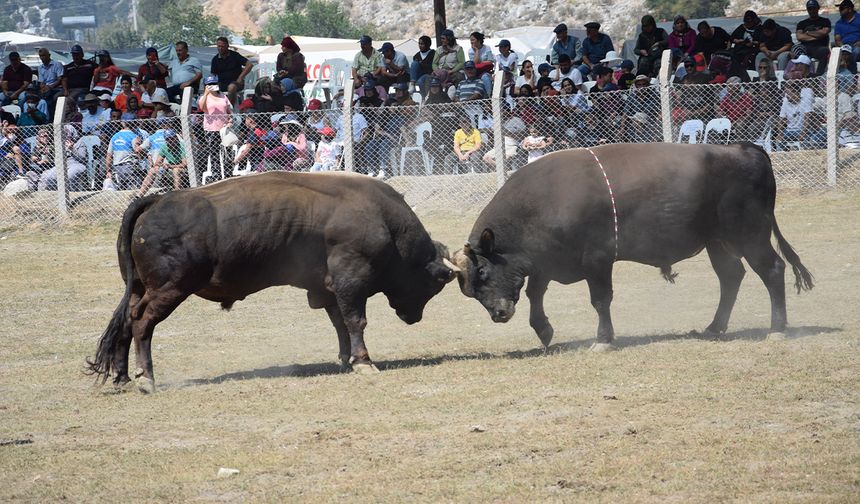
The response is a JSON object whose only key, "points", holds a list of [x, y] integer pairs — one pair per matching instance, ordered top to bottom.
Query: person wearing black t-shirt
{"points": [[814, 34], [710, 40], [745, 40], [775, 43], [230, 67], [78, 74]]}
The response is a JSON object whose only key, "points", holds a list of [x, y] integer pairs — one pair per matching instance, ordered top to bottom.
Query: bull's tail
{"points": [[802, 276], [119, 327]]}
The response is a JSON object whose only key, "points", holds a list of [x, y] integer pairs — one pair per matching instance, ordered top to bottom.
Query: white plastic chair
{"points": [[537, 56], [339, 71], [752, 73], [587, 85], [417, 98], [15, 110], [719, 125], [691, 129], [420, 130], [91, 141]]}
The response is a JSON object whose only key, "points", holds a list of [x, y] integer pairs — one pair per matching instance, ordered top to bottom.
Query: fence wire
{"points": [[440, 153]]}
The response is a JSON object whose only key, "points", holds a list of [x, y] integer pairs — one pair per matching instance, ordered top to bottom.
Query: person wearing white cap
{"points": [[814, 34], [801, 67]]}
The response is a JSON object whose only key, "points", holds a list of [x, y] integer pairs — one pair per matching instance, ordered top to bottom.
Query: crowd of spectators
{"points": [[582, 94]]}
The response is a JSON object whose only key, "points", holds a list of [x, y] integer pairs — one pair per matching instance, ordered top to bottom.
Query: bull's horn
{"points": [[461, 260], [452, 266]]}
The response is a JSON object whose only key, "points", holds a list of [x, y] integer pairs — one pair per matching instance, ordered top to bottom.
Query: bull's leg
{"points": [[767, 264], [730, 272], [599, 281], [153, 308], [354, 312], [537, 318], [342, 334], [124, 344]]}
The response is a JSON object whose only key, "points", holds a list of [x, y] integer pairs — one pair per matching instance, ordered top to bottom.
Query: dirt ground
{"points": [[464, 410]]}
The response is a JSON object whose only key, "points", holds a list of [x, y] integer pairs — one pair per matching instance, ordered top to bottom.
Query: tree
{"points": [[668, 9], [320, 18], [188, 23], [118, 35]]}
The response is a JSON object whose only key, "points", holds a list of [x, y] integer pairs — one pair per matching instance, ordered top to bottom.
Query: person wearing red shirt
{"points": [[153, 69], [106, 74]]}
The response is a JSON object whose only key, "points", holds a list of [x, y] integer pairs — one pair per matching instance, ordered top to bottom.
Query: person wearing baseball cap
{"points": [[814, 34], [594, 47], [506, 59], [366, 61], [395, 66], [77, 74], [16, 78], [326, 154]]}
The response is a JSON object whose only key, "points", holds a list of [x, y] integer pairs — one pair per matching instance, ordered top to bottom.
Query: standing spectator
{"points": [[847, 29], [814, 33], [711, 39], [746, 39], [682, 40], [565, 44], [774, 44], [649, 46], [594, 47], [482, 56], [449, 60], [506, 60], [366, 61], [291, 63], [395, 66], [229, 67], [421, 68], [153, 69], [185, 71], [78, 74], [106, 74], [16, 77], [526, 77], [50, 79], [126, 92], [216, 110], [121, 162]]}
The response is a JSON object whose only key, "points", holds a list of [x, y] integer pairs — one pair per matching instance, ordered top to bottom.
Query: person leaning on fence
{"points": [[847, 29], [814, 33], [649, 46], [449, 60], [421, 68], [185, 71], [77, 74], [15, 79], [217, 111], [467, 147], [41, 157], [171, 158], [121, 161]]}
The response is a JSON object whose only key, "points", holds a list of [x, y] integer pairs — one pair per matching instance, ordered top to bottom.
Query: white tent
{"points": [[15, 38]]}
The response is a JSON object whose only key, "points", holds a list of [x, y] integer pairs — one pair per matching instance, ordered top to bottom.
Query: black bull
{"points": [[554, 221], [341, 237]]}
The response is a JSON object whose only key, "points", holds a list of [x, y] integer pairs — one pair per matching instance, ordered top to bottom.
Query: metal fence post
{"points": [[665, 103], [832, 127], [498, 135], [187, 138], [348, 144], [60, 158]]}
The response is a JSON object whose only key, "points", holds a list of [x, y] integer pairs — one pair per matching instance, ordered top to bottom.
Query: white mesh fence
{"points": [[441, 154]]}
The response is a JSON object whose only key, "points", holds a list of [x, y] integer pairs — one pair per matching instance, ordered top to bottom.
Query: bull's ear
{"points": [[488, 242]]}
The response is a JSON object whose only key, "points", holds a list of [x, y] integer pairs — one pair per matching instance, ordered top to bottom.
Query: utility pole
{"points": [[134, 15], [439, 19]]}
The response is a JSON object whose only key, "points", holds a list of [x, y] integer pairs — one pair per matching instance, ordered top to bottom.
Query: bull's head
{"points": [[489, 277], [425, 283]]}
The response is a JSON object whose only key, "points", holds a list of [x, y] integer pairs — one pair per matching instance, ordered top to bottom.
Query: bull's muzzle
{"points": [[502, 310]]}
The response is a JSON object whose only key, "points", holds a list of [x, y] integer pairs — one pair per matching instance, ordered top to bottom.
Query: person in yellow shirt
{"points": [[467, 147]]}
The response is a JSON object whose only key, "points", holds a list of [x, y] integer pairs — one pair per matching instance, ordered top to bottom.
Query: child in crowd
{"points": [[535, 144], [325, 158]]}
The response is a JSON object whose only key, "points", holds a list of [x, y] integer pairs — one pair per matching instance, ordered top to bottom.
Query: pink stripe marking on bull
{"points": [[611, 197]]}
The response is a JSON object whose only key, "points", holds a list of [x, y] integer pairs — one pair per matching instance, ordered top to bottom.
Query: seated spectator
{"points": [[847, 29], [814, 33], [746, 39], [682, 40], [710, 40], [775, 43], [565, 44], [650, 44], [594, 48], [482, 56], [846, 57], [449, 60], [506, 60], [366, 61], [291, 63], [395, 66], [230, 68], [421, 68], [545, 68], [153, 69], [565, 70], [800, 70], [185, 71], [765, 71], [77, 74], [106, 74], [526, 77], [625, 77], [50, 79], [15, 80], [370, 80], [604, 80], [471, 87], [149, 90], [126, 91], [435, 94], [268, 96], [401, 97], [293, 99], [572, 99], [694, 102], [736, 105], [161, 107], [642, 107], [133, 110], [30, 113], [795, 115], [92, 116], [513, 129], [253, 144], [535, 144], [467, 147], [14, 153], [327, 153], [291, 154], [41, 157], [170, 158], [121, 162], [76, 164]]}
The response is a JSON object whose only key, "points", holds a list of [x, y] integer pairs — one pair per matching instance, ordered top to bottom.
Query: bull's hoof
{"points": [[545, 336], [775, 336], [603, 347], [344, 363], [364, 368], [138, 373], [146, 385], [122, 386]]}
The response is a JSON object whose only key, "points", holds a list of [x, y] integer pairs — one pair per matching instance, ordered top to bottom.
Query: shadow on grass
{"points": [[323, 369]]}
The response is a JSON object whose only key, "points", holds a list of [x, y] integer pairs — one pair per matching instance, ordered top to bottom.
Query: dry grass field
{"points": [[464, 410]]}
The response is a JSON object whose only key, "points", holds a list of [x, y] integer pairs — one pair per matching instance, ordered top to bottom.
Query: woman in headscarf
{"points": [[291, 63], [268, 96], [293, 99]]}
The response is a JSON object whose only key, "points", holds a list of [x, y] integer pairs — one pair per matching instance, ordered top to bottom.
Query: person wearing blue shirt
{"points": [[847, 29], [565, 44], [594, 47], [50, 78], [121, 159]]}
